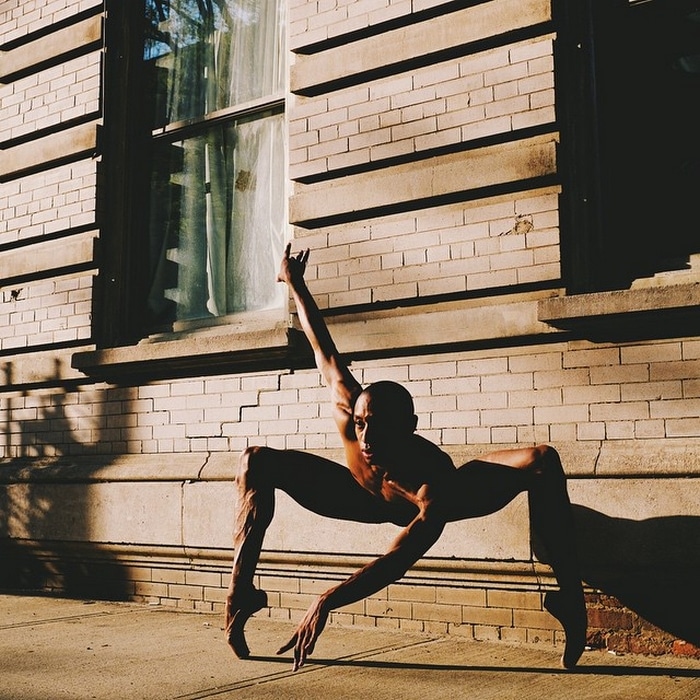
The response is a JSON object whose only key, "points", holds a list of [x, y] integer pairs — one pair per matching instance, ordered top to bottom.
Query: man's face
{"points": [[380, 429]]}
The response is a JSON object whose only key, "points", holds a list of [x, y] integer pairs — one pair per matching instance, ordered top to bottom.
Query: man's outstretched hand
{"points": [[293, 266], [304, 639]]}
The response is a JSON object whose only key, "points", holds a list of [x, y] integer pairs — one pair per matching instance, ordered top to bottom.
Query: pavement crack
{"points": [[313, 665]]}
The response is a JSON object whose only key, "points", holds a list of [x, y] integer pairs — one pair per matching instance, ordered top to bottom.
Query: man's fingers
{"points": [[287, 250], [302, 256], [288, 645], [302, 649]]}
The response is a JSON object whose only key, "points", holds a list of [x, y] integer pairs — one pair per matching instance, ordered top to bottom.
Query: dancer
{"points": [[392, 475]]}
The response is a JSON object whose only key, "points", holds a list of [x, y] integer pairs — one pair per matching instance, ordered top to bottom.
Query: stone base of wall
{"points": [[483, 601]]}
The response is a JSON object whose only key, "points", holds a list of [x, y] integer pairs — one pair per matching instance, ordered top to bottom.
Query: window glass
{"points": [[208, 56], [217, 201]]}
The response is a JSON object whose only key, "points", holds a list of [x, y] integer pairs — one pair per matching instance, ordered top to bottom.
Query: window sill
{"points": [[643, 312], [250, 346], [241, 347]]}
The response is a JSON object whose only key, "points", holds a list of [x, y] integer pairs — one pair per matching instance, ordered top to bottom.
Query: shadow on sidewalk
{"points": [[585, 669]]}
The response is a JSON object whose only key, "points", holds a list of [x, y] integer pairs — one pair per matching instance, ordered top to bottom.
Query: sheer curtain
{"points": [[217, 195]]}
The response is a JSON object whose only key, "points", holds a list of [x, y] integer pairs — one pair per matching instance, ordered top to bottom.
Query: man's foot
{"points": [[570, 610], [237, 614]]}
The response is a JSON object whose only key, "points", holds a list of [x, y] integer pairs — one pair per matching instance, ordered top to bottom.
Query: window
{"points": [[213, 88], [629, 105]]}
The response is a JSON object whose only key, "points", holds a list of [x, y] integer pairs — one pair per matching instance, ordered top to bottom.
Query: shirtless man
{"points": [[392, 475]]}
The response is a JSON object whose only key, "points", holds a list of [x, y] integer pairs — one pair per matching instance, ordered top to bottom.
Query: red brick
{"points": [[610, 619], [682, 648]]}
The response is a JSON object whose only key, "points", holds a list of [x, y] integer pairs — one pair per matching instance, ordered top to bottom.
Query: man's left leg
{"points": [[491, 482]]}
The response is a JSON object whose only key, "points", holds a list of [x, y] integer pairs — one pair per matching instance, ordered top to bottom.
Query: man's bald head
{"points": [[392, 402]]}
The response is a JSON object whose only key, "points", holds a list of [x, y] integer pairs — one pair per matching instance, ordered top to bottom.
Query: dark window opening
{"points": [[630, 109]]}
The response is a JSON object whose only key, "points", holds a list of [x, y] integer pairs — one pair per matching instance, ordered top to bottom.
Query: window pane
{"points": [[206, 55], [217, 221]]}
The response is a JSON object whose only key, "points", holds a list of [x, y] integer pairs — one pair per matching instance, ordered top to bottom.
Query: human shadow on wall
{"points": [[45, 501], [651, 566]]}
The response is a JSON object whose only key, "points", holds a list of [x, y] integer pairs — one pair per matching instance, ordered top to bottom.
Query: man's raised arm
{"points": [[335, 372]]}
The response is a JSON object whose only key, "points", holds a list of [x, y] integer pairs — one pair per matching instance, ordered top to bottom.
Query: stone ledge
{"points": [[83, 36], [327, 70], [67, 145], [410, 185], [37, 259], [642, 312], [267, 345], [234, 347], [653, 458], [314, 566]]}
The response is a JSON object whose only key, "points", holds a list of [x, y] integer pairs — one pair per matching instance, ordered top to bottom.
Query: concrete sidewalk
{"points": [[52, 648]]}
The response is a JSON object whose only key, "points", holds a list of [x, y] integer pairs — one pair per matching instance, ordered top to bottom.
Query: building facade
{"points": [[498, 200]]}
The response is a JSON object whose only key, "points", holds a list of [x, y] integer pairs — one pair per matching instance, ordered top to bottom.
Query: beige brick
{"points": [[691, 349], [662, 352], [592, 357], [674, 370], [619, 374], [652, 391], [599, 394], [681, 408], [638, 410], [509, 417], [682, 427], [650, 429], [620, 430], [591, 431], [168, 576], [203, 578], [311, 586], [156, 590], [185, 593], [411, 593], [461, 596], [514, 599], [296, 601], [388, 608], [437, 612], [487, 616], [533, 619], [391, 623], [436, 627], [483, 633], [513, 635]]}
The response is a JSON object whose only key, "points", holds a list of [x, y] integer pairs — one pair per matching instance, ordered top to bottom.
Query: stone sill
{"points": [[645, 312], [440, 326], [271, 343], [235, 347]]}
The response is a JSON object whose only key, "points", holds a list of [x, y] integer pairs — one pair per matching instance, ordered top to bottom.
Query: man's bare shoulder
{"points": [[428, 460]]}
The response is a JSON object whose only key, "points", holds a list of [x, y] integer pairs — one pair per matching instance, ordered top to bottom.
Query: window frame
{"points": [[596, 242], [121, 284], [606, 297]]}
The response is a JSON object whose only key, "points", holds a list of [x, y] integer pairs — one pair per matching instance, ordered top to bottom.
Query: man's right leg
{"points": [[322, 486], [254, 510]]}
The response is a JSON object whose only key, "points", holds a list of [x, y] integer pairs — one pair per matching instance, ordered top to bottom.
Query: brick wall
{"points": [[18, 18], [58, 94], [443, 104], [441, 250], [559, 393]]}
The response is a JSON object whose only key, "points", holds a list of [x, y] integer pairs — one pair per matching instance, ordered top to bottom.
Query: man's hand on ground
{"points": [[304, 639]]}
